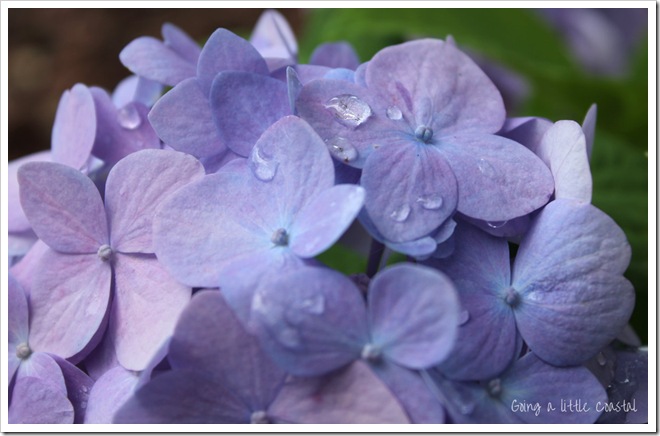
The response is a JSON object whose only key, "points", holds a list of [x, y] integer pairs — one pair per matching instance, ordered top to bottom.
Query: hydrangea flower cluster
{"points": [[164, 253]]}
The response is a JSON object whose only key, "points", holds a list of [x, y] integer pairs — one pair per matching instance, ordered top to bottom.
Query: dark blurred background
{"points": [[52, 49]]}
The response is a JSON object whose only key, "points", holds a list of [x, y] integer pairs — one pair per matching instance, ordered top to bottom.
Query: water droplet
{"points": [[349, 110], [394, 113], [128, 117], [342, 149], [487, 168], [264, 169], [430, 202], [401, 213], [496, 224], [104, 252], [314, 304], [463, 317], [288, 337], [371, 352], [601, 359], [84, 389], [83, 404], [465, 408]]}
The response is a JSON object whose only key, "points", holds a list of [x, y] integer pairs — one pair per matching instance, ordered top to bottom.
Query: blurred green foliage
{"points": [[521, 41]]}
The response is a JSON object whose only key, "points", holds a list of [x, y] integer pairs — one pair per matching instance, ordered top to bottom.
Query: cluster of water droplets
{"points": [[349, 110], [263, 167], [426, 201]]}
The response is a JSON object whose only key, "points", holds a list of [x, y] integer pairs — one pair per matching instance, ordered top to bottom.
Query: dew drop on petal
{"points": [[349, 110], [394, 113], [128, 117], [342, 149], [487, 168], [264, 169], [431, 201], [401, 213], [496, 224], [314, 304], [463, 317], [288, 337], [601, 359]]}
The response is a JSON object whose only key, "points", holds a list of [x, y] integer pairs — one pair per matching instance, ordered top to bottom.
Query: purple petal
{"points": [[273, 38], [180, 42], [225, 51], [335, 55], [150, 58], [294, 86], [136, 88], [446, 90], [244, 105], [184, 121], [589, 127], [74, 128], [527, 130], [121, 131], [358, 131], [564, 150], [498, 179], [135, 188], [411, 190], [63, 206], [16, 219], [321, 222], [19, 243], [199, 247], [421, 247], [26, 269], [568, 272], [239, 279], [400, 290], [68, 302], [145, 309], [311, 321], [17, 326], [486, 342], [234, 355], [102, 359], [42, 366], [534, 381], [78, 385], [412, 392], [109, 393], [353, 395], [184, 397], [37, 402]]}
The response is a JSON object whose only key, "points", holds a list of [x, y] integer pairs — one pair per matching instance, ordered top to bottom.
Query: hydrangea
{"points": [[176, 254]]}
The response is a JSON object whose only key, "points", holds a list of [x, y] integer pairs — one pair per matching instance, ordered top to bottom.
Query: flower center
{"points": [[424, 133], [280, 237], [105, 252], [512, 298], [23, 351], [371, 352], [259, 417]]}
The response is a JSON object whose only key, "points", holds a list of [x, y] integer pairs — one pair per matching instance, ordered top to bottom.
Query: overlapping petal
{"points": [[148, 57], [74, 128], [134, 189], [63, 206], [404, 289], [311, 321], [108, 394], [38, 402]]}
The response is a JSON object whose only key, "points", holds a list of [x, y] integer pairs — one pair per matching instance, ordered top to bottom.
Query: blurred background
{"points": [[552, 63]]}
